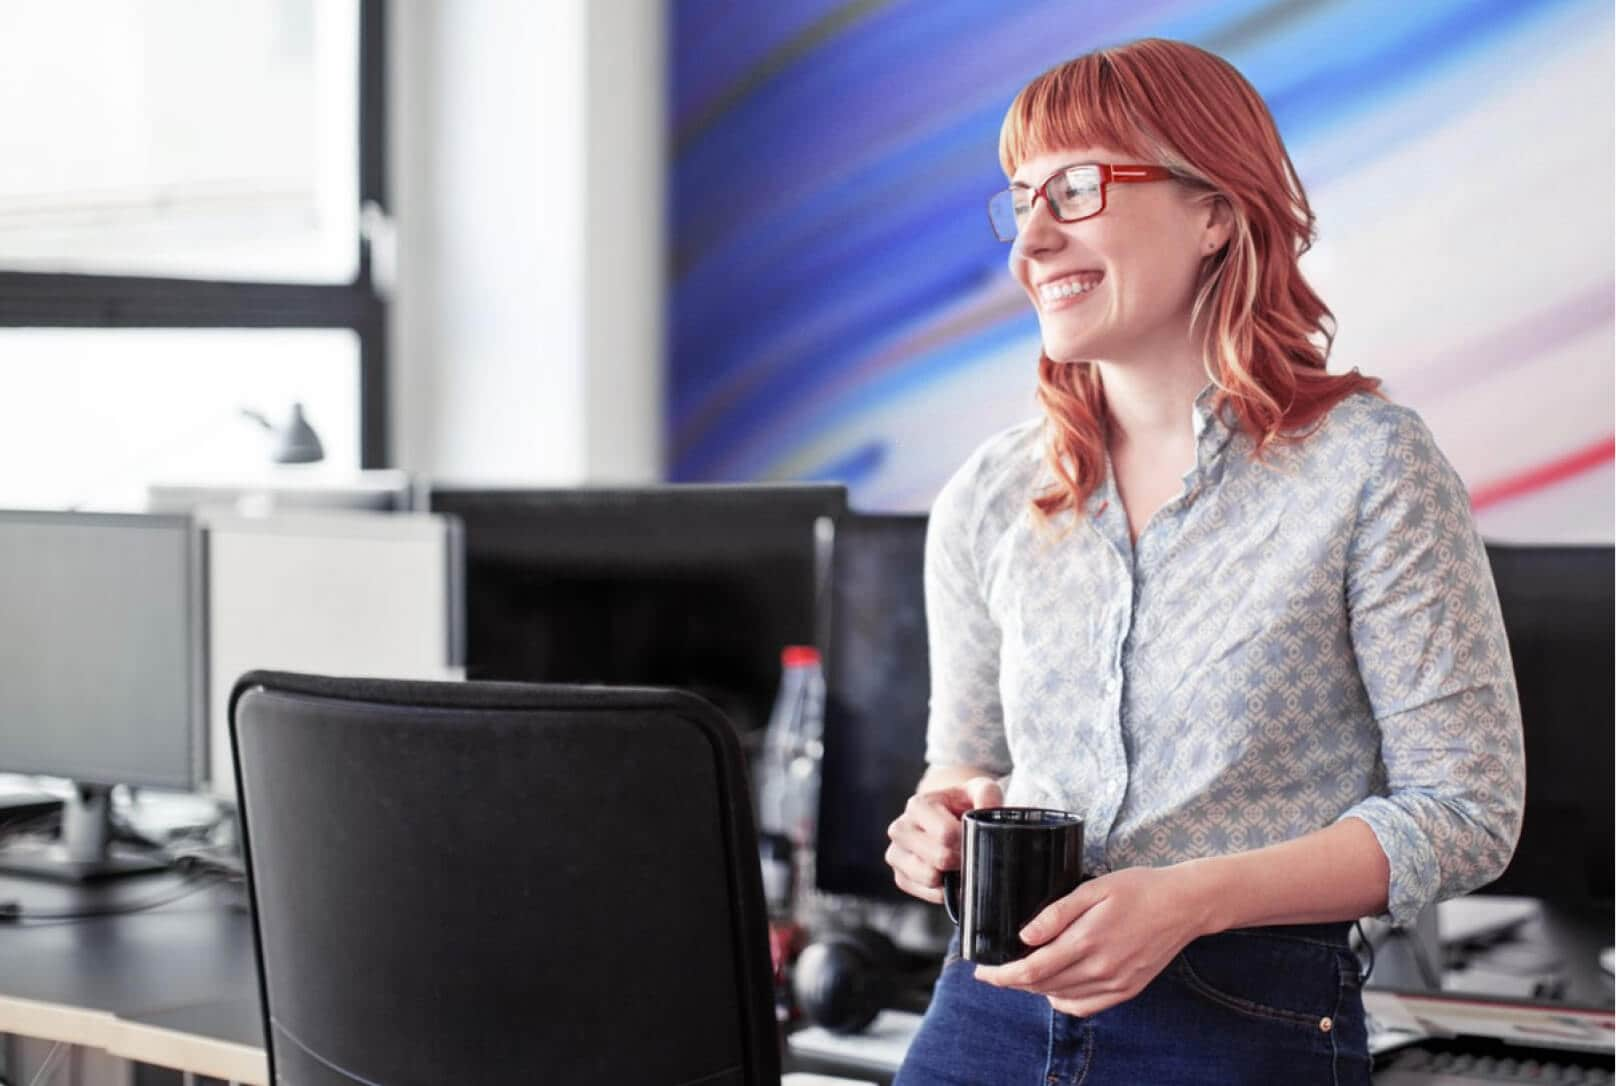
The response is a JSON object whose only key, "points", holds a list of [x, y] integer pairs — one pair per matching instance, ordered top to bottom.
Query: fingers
{"points": [[984, 792], [950, 802], [937, 813], [928, 831], [926, 837], [925, 842], [913, 867], [914, 876], [933, 894], [1060, 915], [1071, 958], [1071, 978], [1102, 988], [1087, 1006]]}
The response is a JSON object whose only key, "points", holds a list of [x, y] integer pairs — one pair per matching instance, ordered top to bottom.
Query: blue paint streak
{"points": [[794, 283]]}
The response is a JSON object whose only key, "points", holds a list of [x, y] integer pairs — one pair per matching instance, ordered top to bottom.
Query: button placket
{"points": [[1114, 761]]}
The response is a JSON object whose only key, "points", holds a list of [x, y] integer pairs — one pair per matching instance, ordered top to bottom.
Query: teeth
{"points": [[1056, 291]]}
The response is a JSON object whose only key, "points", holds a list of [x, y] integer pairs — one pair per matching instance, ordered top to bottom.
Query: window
{"points": [[188, 191], [93, 415]]}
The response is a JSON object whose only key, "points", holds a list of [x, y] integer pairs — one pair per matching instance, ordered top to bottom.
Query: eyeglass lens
{"points": [[1073, 194]]}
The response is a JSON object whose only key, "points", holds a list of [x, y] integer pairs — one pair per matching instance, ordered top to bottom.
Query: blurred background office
{"points": [[627, 241], [500, 269]]}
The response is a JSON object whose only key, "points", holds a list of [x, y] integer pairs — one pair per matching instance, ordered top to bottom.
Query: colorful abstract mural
{"points": [[839, 309]]}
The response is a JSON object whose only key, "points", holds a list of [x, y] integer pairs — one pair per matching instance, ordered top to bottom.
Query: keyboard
{"points": [[1384, 1038], [1419, 1067]]}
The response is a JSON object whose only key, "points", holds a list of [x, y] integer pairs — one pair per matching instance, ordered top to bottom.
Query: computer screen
{"points": [[696, 587], [352, 594], [1557, 604], [101, 648], [877, 685]]}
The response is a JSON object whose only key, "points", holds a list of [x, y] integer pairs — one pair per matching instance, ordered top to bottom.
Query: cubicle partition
{"points": [[352, 594]]}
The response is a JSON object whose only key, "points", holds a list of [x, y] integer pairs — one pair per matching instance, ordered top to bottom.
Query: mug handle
{"points": [[951, 892]]}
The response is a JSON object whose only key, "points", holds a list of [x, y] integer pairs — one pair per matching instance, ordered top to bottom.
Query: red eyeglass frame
{"points": [[1109, 175]]}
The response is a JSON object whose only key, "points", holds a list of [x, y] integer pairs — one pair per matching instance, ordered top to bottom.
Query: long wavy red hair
{"points": [[1265, 335]]}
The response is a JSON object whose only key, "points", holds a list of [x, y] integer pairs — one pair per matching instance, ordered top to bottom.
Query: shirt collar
{"points": [[1214, 426], [1213, 429]]}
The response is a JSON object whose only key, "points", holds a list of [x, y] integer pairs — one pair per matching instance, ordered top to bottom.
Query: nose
{"points": [[1040, 233]]}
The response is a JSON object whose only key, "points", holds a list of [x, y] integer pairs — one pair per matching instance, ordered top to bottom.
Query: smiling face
{"points": [[1117, 287]]}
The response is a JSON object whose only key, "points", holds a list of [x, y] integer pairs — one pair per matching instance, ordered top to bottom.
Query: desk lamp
{"points": [[295, 441]]}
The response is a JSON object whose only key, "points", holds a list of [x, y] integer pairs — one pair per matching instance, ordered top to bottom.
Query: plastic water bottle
{"points": [[788, 779], [788, 799]]}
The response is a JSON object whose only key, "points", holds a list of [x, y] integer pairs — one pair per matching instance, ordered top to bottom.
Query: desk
{"points": [[175, 987]]}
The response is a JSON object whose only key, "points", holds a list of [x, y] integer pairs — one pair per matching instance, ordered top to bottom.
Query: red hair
{"points": [[1267, 335]]}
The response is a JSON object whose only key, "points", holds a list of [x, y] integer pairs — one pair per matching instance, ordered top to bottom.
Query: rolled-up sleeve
{"points": [[1435, 664], [966, 721]]}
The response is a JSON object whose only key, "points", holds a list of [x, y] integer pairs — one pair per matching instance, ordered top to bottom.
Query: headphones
{"points": [[843, 980]]}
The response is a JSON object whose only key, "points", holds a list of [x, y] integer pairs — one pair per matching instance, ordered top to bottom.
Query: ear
{"points": [[1216, 219]]}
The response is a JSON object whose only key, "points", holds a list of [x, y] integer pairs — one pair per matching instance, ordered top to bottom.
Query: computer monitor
{"points": [[289, 489], [688, 586], [351, 594], [1557, 604], [101, 668], [877, 686]]}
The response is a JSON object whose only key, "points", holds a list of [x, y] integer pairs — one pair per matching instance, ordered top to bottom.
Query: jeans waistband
{"points": [[1333, 933]]}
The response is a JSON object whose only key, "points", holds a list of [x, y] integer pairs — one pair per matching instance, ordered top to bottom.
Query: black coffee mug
{"points": [[1016, 862]]}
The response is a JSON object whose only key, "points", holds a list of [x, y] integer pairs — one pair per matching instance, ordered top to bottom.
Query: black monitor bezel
{"points": [[620, 506]]}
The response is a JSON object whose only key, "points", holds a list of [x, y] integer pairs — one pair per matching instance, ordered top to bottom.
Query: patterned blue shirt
{"points": [[1293, 641]]}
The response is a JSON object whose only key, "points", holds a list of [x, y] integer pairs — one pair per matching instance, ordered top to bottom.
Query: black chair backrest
{"points": [[501, 883]]}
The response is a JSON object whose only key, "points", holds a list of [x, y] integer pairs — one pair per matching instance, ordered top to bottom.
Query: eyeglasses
{"points": [[1073, 193]]}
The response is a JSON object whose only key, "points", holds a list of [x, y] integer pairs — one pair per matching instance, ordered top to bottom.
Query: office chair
{"points": [[501, 883]]}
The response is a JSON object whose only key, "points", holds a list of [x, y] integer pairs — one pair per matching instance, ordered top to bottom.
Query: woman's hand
{"points": [[926, 837], [1102, 943]]}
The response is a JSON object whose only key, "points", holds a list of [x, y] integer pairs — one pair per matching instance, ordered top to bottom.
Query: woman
{"points": [[1230, 608]]}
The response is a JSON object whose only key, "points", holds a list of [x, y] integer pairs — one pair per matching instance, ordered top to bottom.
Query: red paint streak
{"points": [[1544, 475]]}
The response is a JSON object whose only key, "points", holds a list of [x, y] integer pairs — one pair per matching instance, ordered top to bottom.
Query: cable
{"points": [[223, 861], [12, 912], [1363, 974], [52, 1058]]}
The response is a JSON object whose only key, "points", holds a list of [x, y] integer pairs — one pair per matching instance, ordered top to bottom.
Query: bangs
{"points": [[1078, 104]]}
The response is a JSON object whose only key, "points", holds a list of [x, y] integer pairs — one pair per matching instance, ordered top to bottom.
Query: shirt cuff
{"points": [[1415, 875]]}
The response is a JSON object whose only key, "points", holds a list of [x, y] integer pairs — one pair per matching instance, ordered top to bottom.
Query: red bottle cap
{"points": [[799, 656]]}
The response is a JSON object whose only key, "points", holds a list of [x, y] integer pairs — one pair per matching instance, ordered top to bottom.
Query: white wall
{"points": [[527, 187], [625, 249]]}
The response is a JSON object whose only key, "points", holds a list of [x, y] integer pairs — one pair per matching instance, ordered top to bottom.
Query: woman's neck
{"points": [[1151, 405]]}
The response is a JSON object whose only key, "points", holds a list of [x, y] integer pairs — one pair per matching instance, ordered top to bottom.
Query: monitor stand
{"points": [[85, 852]]}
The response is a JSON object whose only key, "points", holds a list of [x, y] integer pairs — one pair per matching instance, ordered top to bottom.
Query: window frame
{"points": [[73, 300]]}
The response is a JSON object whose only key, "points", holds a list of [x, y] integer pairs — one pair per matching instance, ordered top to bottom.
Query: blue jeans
{"points": [[1253, 1006]]}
